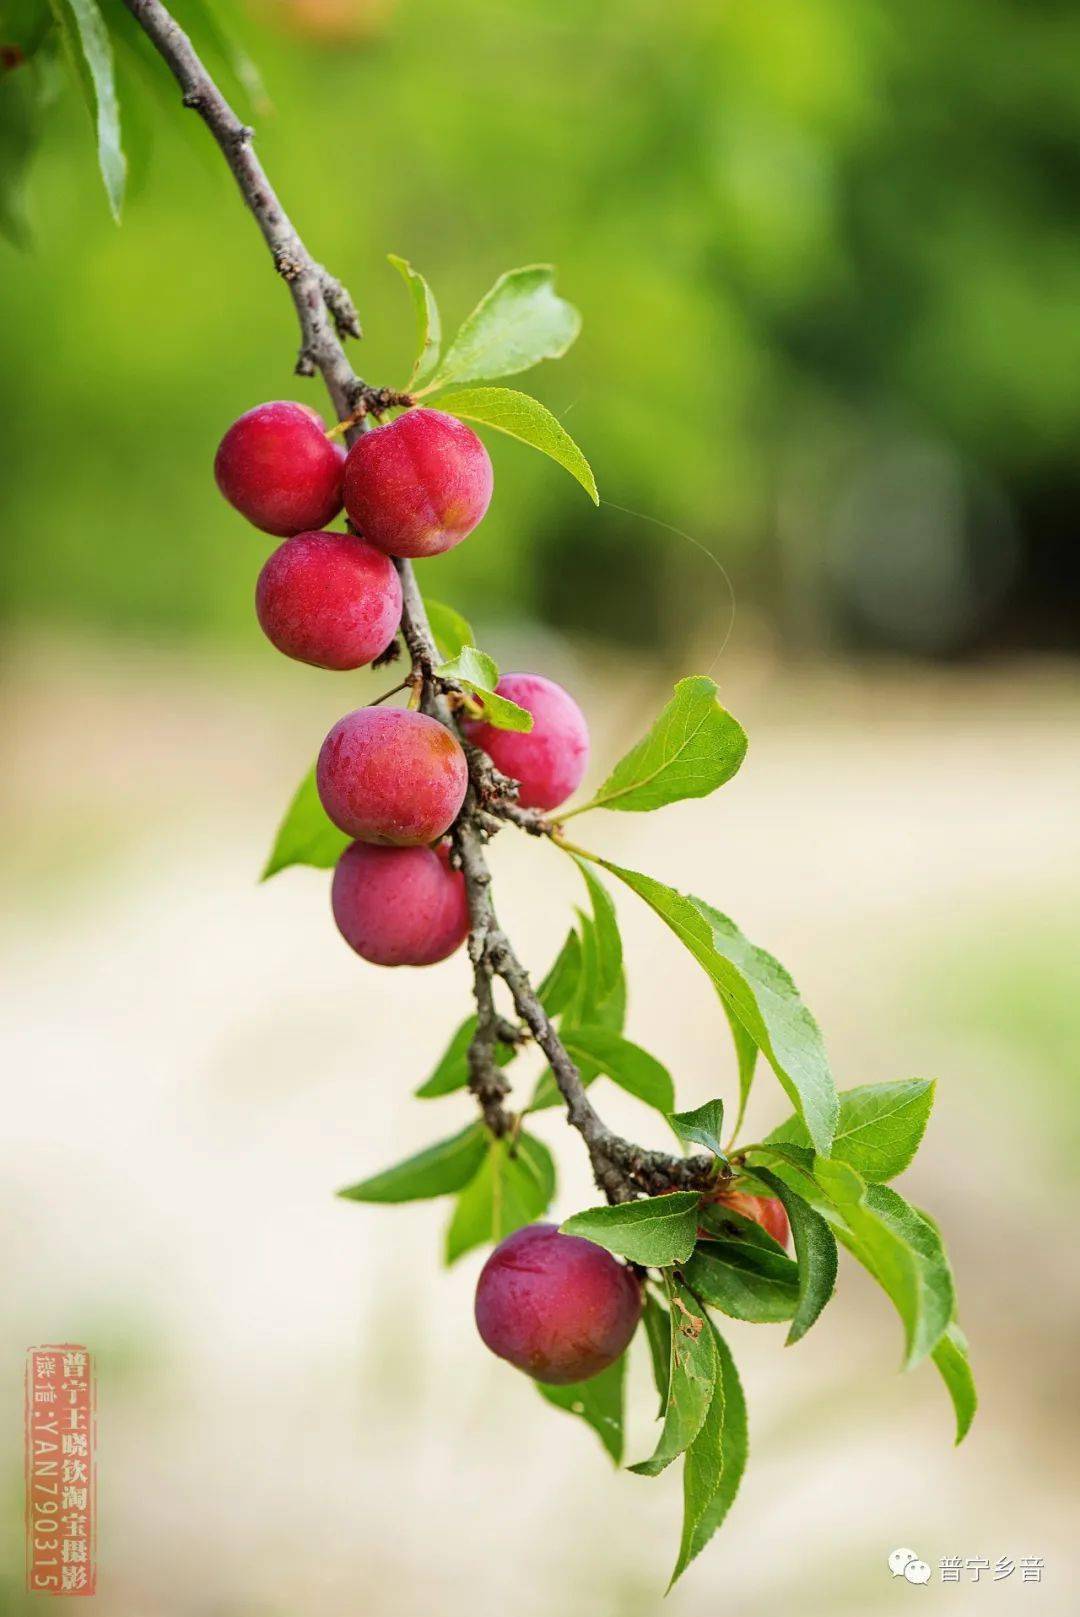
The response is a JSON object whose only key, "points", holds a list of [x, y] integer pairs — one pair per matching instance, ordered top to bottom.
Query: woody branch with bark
{"points": [[327, 315]]}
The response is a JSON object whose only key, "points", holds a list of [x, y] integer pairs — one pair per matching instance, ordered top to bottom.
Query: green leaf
{"points": [[93, 38], [519, 322], [428, 326], [521, 416], [452, 632], [472, 668], [478, 674], [694, 747], [306, 836], [608, 943], [560, 985], [759, 993], [599, 1001], [595, 1051], [746, 1054], [626, 1064], [452, 1072], [703, 1126], [879, 1128], [437, 1171], [513, 1185], [717, 1221], [656, 1232], [900, 1246], [815, 1249], [900, 1249], [744, 1280], [937, 1290], [657, 1323], [951, 1358], [691, 1380], [599, 1401], [708, 1488]]}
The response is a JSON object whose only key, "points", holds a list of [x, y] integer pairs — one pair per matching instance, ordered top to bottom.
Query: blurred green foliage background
{"points": [[825, 253]]}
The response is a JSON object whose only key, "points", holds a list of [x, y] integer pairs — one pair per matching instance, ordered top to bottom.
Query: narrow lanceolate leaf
{"points": [[97, 52], [519, 322], [428, 327], [521, 416], [452, 631], [478, 674], [694, 747], [306, 836], [609, 952], [561, 983], [759, 994], [601, 995], [598, 1052], [746, 1054], [625, 1063], [452, 1071], [703, 1126], [878, 1130], [437, 1171], [513, 1185], [656, 1232], [898, 1245], [900, 1249], [815, 1250], [744, 1280], [937, 1290], [657, 1325], [951, 1358], [691, 1380], [598, 1401], [704, 1510]]}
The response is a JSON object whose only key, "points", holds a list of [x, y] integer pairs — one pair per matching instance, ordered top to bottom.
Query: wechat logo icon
{"points": [[906, 1564]]}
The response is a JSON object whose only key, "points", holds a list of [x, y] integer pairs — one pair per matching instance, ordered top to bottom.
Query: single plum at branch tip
{"points": [[277, 467], [419, 485], [329, 599], [549, 760], [391, 776], [399, 906], [558, 1307]]}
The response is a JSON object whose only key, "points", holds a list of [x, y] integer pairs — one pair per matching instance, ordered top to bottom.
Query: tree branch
{"points": [[327, 315]]}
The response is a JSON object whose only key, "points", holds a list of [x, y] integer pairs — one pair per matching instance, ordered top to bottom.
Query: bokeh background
{"points": [[828, 380]]}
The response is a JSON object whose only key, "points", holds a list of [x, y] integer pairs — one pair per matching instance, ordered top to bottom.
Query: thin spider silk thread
{"points": [[679, 533]]}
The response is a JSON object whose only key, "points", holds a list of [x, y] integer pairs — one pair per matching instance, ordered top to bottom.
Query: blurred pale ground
{"points": [[296, 1415]]}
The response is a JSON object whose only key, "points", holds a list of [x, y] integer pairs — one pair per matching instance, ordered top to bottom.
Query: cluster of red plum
{"points": [[391, 778], [560, 1308]]}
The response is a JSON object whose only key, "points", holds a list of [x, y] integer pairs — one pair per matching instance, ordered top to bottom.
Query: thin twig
{"points": [[327, 315]]}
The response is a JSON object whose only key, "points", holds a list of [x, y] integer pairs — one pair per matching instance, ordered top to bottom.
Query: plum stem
{"points": [[327, 315]]}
